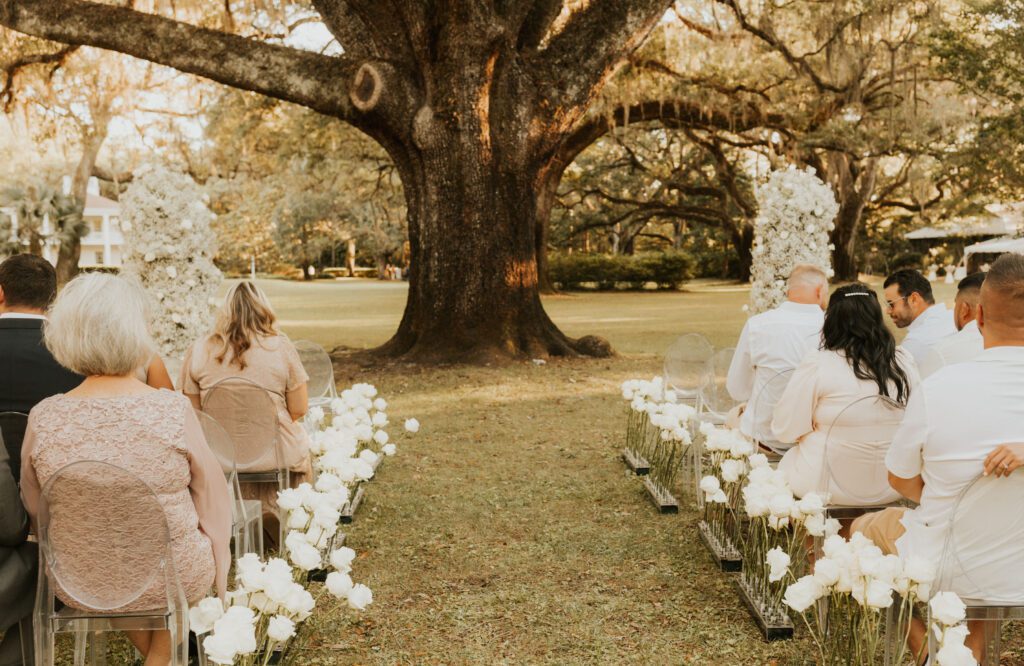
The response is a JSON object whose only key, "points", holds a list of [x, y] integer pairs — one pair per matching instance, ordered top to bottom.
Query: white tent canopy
{"points": [[996, 246]]}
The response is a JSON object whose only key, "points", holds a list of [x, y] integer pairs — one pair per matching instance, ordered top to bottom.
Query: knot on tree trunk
{"points": [[367, 86], [423, 129]]}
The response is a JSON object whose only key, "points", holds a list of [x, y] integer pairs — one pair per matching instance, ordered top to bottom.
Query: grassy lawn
{"points": [[507, 531]]}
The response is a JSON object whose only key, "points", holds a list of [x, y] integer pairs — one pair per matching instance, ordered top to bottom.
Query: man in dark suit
{"points": [[28, 373]]}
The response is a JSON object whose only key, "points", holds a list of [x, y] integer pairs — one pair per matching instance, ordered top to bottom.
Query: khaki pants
{"points": [[882, 527]]}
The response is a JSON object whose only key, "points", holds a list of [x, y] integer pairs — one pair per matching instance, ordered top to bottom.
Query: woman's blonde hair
{"points": [[245, 317], [97, 326]]}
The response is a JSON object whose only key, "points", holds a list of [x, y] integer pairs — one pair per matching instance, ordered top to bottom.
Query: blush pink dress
{"points": [[272, 363], [157, 437]]}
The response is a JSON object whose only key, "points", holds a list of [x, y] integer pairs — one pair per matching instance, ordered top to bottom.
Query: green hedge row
{"points": [[666, 269]]}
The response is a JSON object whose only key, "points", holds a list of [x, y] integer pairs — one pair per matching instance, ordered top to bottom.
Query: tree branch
{"points": [[537, 23], [593, 42], [11, 71], [316, 81]]}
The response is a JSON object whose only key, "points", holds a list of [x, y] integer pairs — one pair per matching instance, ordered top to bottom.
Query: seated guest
{"points": [[911, 305], [97, 329], [775, 342], [967, 342], [246, 343], [858, 359], [28, 372], [954, 420], [18, 559]]}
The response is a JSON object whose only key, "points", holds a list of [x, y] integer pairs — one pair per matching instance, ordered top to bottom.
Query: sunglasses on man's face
{"points": [[892, 304]]}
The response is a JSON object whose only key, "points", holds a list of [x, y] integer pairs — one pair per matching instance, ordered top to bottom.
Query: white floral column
{"points": [[795, 214], [169, 248]]}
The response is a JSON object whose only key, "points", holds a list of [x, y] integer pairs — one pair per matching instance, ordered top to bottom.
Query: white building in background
{"points": [[102, 245]]}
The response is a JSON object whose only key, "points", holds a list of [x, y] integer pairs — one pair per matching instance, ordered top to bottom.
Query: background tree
{"points": [[471, 101], [45, 215]]}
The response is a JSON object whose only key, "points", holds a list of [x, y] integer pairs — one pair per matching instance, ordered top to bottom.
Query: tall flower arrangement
{"points": [[795, 213], [169, 248], [271, 599]]}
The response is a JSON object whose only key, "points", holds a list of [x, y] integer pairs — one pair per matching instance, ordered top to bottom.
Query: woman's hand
{"points": [[1004, 459]]}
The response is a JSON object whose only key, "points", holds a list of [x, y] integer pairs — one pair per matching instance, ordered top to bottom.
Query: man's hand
{"points": [[1004, 459]]}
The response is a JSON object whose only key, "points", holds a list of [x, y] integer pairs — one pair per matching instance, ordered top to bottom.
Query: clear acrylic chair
{"points": [[173, 365], [687, 367], [320, 369], [716, 403], [762, 407], [248, 414], [12, 430], [93, 512], [246, 514], [984, 555]]}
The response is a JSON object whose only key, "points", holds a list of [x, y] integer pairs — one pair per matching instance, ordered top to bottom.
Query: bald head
{"points": [[808, 284], [1001, 311]]}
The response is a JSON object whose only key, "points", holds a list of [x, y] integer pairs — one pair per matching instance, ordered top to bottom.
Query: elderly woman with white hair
{"points": [[97, 328]]}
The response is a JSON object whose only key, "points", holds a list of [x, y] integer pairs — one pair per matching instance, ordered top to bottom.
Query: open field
{"points": [[364, 313]]}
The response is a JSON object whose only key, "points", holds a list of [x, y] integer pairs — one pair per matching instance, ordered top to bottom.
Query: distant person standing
{"points": [[911, 305], [967, 343], [771, 345], [28, 373]]}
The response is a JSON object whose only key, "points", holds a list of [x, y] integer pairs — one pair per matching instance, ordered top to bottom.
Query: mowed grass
{"points": [[507, 531]]}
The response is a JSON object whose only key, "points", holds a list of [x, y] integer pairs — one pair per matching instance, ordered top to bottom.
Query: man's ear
{"points": [[3, 301], [981, 318]]}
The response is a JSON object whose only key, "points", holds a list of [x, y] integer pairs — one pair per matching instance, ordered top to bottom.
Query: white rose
{"points": [[149, 257], [172, 272], [380, 404], [315, 415], [380, 419], [412, 425], [381, 437], [388, 449], [368, 456], [758, 460], [327, 482], [709, 484], [719, 497], [289, 499], [781, 504], [811, 504], [298, 519], [815, 524], [832, 527], [305, 557], [342, 558], [778, 562], [919, 570], [826, 572], [339, 584], [803, 593], [359, 597], [299, 602], [947, 608], [202, 616], [280, 629], [220, 649], [955, 654]]}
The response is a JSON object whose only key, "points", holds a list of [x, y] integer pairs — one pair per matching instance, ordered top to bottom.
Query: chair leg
{"points": [[26, 636], [81, 641], [97, 652]]}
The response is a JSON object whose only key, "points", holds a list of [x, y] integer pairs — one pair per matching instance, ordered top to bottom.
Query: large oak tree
{"points": [[473, 100]]}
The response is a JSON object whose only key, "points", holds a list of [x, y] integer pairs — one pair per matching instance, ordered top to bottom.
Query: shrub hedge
{"points": [[605, 272]]}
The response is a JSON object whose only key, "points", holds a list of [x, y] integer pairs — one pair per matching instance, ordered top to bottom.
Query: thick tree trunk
{"points": [[854, 185], [743, 242], [71, 245], [350, 257]]}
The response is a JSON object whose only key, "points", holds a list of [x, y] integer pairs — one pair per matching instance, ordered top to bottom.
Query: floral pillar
{"points": [[795, 215], [169, 248]]}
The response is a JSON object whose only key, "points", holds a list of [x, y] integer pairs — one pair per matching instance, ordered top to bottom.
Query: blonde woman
{"points": [[97, 329], [245, 343]]}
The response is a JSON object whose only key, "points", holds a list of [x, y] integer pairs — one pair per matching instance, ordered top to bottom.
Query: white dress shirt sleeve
{"points": [[932, 362], [740, 381], [794, 412], [905, 456]]}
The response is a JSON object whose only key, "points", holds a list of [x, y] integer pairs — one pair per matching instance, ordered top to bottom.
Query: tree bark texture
{"points": [[473, 102], [854, 184], [70, 250]]}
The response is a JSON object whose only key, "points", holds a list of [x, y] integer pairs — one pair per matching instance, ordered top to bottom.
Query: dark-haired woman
{"points": [[843, 404]]}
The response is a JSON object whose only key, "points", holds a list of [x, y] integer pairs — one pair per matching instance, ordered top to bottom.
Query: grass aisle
{"points": [[508, 532]]}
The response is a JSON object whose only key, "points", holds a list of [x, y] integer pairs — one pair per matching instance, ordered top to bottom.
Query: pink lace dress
{"points": [[157, 437]]}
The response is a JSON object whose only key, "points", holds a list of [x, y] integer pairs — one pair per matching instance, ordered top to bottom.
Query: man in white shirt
{"points": [[908, 297], [967, 342], [771, 345], [954, 420]]}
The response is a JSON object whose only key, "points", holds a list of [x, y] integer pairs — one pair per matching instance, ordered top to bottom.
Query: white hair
{"points": [[807, 276], [97, 326]]}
